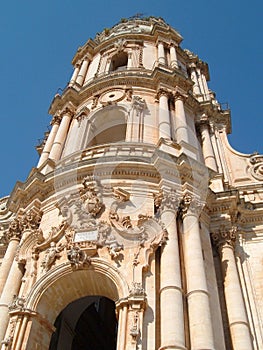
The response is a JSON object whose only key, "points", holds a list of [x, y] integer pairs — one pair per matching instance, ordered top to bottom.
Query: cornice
{"points": [[135, 78], [218, 117]]}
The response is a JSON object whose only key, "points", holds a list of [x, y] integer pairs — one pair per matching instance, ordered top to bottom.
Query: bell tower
{"points": [[140, 227]]}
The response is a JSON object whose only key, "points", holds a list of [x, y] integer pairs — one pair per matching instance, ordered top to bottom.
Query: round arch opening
{"points": [[108, 126], [99, 285], [86, 324]]}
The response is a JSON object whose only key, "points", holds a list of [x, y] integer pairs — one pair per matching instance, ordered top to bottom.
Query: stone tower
{"points": [[140, 228]]}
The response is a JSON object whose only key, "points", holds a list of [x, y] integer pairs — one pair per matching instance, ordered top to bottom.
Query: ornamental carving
{"points": [[120, 45], [138, 104], [83, 113], [257, 166], [165, 201], [90, 204], [191, 205], [31, 220], [124, 225], [14, 229], [224, 236], [107, 238], [51, 255], [78, 258], [136, 289], [17, 303], [135, 328]]}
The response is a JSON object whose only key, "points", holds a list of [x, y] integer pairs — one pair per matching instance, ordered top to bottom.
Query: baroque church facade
{"points": [[140, 228]]}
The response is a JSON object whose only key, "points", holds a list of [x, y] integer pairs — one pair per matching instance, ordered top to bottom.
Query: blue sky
{"points": [[40, 38]]}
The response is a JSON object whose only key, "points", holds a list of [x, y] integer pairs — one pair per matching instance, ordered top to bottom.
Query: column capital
{"points": [[173, 44], [163, 92], [179, 94], [69, 109], [56, 119], [203, 123], [167, 201], [191, 205], [31, 220], [14, 231], [224, 237]]}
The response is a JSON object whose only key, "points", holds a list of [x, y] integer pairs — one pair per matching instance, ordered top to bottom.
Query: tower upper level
{"points": [[137, 51], [133, 83]]}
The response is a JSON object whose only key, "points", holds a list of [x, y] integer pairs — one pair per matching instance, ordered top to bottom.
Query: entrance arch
{"points": [[62, 286], [86, 324]]}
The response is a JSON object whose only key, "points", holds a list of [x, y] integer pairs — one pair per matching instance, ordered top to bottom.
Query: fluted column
{"points": [[161, 53], [173, 57], [83, 71], [74, 75], [164, 115], [181, 131], [61, 135], [49, 143], [207, 147], [14, 233], [171, 300], [236, 310], [200, 322]]}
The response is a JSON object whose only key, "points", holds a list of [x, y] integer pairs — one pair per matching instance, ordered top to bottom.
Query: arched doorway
{"points": [[88, 323]]}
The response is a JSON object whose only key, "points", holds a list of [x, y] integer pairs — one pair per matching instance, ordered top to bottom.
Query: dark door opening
{"points": [[87, 324]]}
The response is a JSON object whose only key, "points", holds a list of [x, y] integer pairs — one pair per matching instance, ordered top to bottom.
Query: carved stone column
{"points": [[161, 54], [173, 57], [83, 71], [74, 75], [196, 87], [164, 115], [181, 128], [61, 135], [51, 137], [207, 147], [30, 221], [13, 234], [10, 290], [171, 300], [236, 310], [200, 322]]}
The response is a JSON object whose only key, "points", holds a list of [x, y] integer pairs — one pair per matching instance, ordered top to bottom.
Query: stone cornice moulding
{"points": [[150, 79]]}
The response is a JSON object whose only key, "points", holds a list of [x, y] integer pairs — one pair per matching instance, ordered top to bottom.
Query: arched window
{"points": [[119, 61], [108, 126]]}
